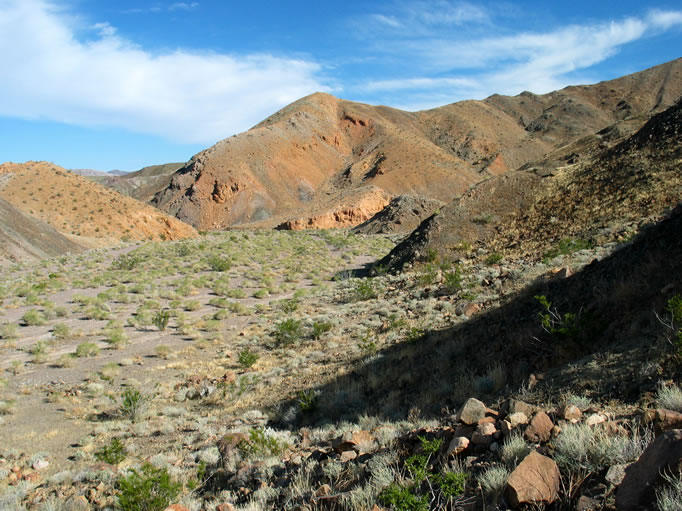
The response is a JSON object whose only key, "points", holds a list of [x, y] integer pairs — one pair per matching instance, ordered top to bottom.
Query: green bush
{"points": [[565, 247], [493, 258], [217, 263], [452, 281], [363, 290], [33, 318], [160, 320], [320, 328], [61, 331], [288, 332], [87, 349], [247, 358], [308, 400], [133, 404], [260, 444], [114, 453], [150, 489], [400, 498]]}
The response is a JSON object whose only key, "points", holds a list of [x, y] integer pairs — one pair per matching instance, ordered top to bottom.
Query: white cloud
{"points": [[184, 6], [459, 64], [108, 80]]}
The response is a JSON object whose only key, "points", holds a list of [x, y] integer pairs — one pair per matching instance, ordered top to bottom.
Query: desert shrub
{"points": [[566, 246], [493, 258], [126, 262], [217, 263], [452, 280], [363, 290], [192, 305], [288, 306], [33, 318], [160, 319], [320, 328], [8, 331], [61, 331], [288, 332], [116, 337], [87, 349], [163, 351], [39, 352], [247, 358], [669, 397], [308, 400], [133, 404], [261, 444], [581, 449], [513, 450], [114, 453], [493, 481], [149, 489], [669, 495], [401, 498]]}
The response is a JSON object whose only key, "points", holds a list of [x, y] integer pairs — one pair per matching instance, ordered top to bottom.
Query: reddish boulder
{"points": [[540, 428], [535, 481]]}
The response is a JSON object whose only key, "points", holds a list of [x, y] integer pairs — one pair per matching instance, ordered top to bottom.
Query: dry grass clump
{"points": [[670, 397]]}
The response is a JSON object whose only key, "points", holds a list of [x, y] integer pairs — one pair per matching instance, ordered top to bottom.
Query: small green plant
{"points": [[565, 247], [493, 258], [126, 262], [217, 263], [452, 281], [364, 290], [288, 306], [33, 318], [160, 319], [320, 328], [9, 331], [61, 331], [288, 332], [116, 337], [367, 344], [87, 349], [163, 351], [39, 352], [247, 358], [307, 400], [133, 404], [260, 444], [114, 453], [149, 489], [401, 498]]}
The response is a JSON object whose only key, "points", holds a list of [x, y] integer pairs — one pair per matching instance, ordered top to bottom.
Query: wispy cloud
{"points": [[163, 7], [458, 64], [108, 80]]}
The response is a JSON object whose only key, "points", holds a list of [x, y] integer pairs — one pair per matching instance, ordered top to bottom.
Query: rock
{"points": [[471, 309], [516, 406], [472, 411], [570, 413], [516, 419], [595, 419], [665, 420], [505, 427], [540, 428], [556, 431], [484, 434], [352, 441], [229, 443], [458, 445], [347, 456], [663, 456], [40, 464], [615, 474], [534, 481], [323, 491], [586, 503], [225, 506], [176, 507]]}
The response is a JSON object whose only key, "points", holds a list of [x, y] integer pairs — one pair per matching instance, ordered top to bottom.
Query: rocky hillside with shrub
{"points": [[310, 164]]}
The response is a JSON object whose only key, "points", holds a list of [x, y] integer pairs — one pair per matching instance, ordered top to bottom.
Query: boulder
{"points": [[516, 406], [472, 411], [570, 413], [516, 419], [540, 428], [484, 434], [352, 441], [458, 445], [663, 456], [535, 481]]}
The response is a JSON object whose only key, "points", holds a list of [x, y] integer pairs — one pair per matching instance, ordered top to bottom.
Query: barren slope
{"points": [[315, 160], [636, 180], [142, 184], [82, 210], [24, 237]]}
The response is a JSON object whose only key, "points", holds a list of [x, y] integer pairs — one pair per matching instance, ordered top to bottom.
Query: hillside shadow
{"points": [[614, 302]]}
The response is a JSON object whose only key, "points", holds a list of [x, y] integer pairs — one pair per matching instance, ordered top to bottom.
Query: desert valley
{"points": [[356, 307]]}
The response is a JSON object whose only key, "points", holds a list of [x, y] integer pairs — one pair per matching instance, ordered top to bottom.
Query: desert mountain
{"points": [[327, 162], [142, 184], [82, 210], [526, 212], [24, 237]]}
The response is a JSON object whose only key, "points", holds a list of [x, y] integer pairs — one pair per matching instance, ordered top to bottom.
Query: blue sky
{"points": [[104, 85]]}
